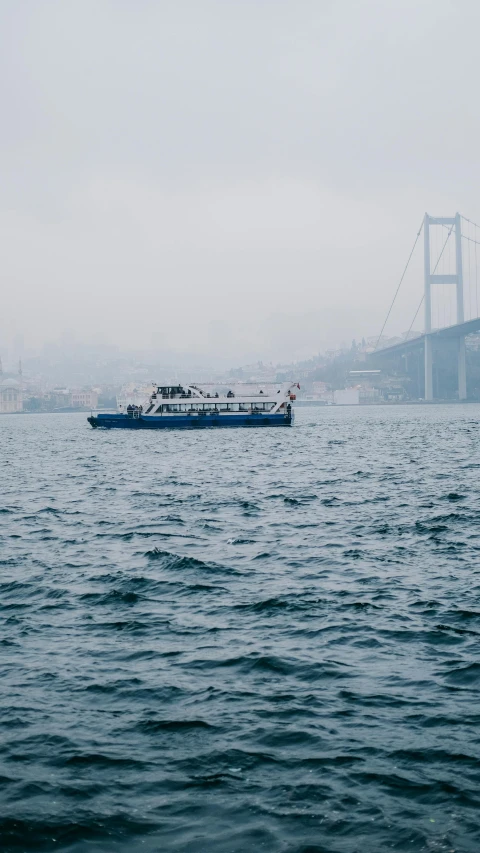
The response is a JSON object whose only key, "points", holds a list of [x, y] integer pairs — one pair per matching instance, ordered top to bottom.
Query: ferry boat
{"points": [[190, 407]]}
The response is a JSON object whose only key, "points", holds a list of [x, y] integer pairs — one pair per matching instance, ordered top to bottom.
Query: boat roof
{"points": [[235, 390]]}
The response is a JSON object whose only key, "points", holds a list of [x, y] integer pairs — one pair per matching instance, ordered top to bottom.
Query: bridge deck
{"points": [[459, 330]]}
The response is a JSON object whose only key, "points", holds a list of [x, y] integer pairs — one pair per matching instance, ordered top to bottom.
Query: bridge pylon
{"points": [[454, 222]]}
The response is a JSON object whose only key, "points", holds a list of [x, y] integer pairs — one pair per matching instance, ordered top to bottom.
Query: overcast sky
{"points": [[241, 177]]}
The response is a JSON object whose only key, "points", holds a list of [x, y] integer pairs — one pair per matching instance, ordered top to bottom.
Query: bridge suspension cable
{"points": [[469, 220], [464, 236], [470, 240], [433, 273], [399, 284], [471, 296]]}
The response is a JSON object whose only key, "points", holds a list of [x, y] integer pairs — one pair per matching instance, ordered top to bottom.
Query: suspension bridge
{"points": [[450, 299]]}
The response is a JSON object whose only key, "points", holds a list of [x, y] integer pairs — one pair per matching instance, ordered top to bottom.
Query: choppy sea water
{"points": [[241, 640]]}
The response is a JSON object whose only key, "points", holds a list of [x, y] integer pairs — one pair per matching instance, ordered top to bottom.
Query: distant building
{"points": [[369, 395], [11, 396], [136, 396], [347, 397], [59, 398], [84, 399]]}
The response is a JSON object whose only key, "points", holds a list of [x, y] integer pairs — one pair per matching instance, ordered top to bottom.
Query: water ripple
{"points": [[252, 640]]}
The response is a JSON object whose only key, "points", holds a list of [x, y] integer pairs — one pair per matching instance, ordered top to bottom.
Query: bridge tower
{"points": [[454, 222]]}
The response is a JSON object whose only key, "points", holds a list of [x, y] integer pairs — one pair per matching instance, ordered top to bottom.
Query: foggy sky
{"points": [[241, 177]]}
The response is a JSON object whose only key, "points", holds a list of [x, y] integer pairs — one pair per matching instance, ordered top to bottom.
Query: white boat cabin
{"points": [[176, 399]]}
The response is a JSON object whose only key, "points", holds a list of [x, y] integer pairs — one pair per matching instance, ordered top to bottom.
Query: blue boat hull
{"points": [[122, 421]]}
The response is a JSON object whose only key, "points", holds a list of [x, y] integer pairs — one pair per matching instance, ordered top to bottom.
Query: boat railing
{"points": [[173, 396]]}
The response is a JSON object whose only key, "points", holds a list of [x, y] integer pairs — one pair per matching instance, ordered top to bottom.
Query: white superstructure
{"points": [[190, 399]]}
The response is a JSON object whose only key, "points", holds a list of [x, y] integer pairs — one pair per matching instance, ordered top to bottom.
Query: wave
{"points": [[176, 562], [114, 596], [249, 642], [467, 676], [153, 726]]}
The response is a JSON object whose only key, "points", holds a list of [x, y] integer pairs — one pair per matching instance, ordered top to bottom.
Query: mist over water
{"points": [[239, 180], [241, 640]]}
